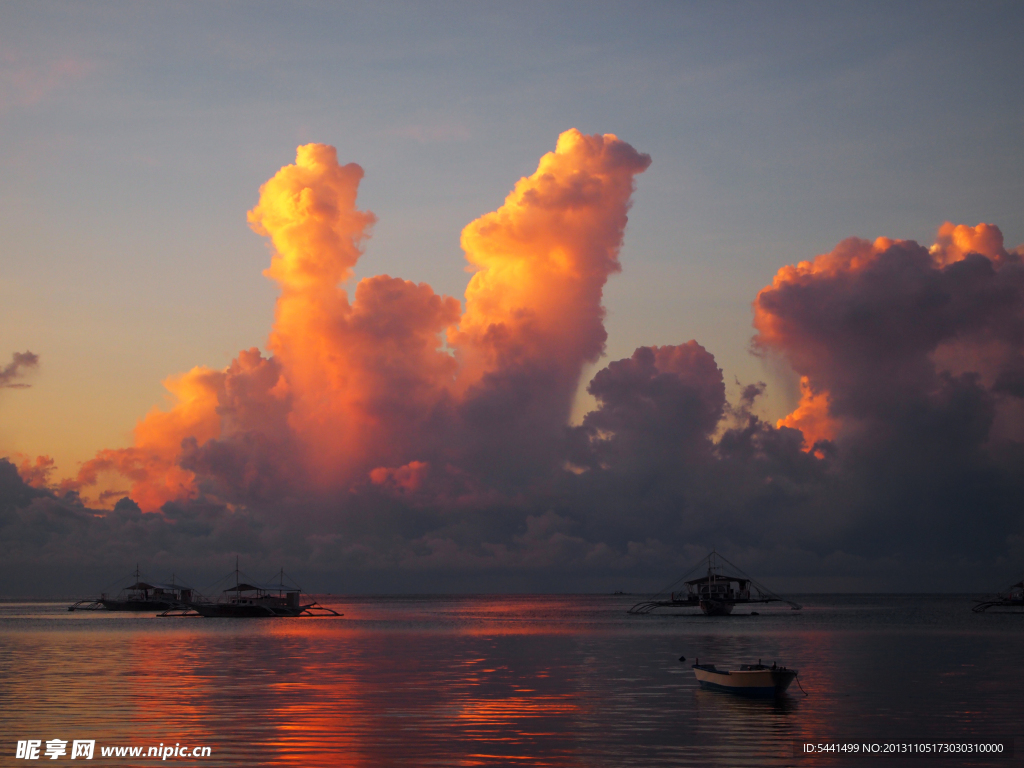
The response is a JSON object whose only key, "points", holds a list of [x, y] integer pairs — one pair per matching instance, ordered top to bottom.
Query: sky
{"points": [[638, 372]]}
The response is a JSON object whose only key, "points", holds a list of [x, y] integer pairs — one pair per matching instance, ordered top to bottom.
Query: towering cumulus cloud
{"points": [[533, 308], [877, 329], [912, 368], [361, 376], [363, 390], [393, 430]]}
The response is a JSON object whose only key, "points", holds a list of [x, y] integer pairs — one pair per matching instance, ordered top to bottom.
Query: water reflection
{"points": [[547, 681]]}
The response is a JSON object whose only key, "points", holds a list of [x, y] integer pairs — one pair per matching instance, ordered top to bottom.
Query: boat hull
{"points": [[137, 605], [983, 606], [716, 607], [226, 611], [245, 611], [759, 683]]}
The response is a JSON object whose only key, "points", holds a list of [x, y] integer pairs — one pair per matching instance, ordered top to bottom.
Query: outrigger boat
{"points": [[716, 593], [141, 595], [1011, 597], [247, 599], [749, 680]]}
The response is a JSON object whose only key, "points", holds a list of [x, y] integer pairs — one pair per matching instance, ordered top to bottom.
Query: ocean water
{"points": [[512, 680]]}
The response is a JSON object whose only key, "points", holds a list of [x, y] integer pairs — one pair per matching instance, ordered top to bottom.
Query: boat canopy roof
{"points": [[719, 577], [153, 585], [247, 587]]}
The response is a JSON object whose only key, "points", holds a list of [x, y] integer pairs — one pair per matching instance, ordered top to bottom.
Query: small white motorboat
{"points": [[749, 680]]}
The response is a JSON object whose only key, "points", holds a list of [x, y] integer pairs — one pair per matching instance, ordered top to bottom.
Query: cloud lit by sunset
{"points": [[875, 328], [358, 389], [388, 425]]}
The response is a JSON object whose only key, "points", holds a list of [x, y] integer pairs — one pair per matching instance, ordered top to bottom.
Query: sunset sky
{"points": [[444, 190]]}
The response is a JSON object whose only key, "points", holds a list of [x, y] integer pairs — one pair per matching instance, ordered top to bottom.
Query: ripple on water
{"points": [[545, 681]]}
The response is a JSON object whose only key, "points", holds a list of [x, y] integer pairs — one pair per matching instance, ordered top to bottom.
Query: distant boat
{"points": [[716, 593], [140, 596], [1011, 597], [247, 599], [749, 680]]}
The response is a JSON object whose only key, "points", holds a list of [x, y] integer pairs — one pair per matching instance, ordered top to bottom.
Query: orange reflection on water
{"points": [[552, 681], [318, 692], [254, 695], [518, 707]]}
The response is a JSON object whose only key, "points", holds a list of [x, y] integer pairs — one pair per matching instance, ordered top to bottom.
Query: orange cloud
{"points": [[308, 210], [955, 241], [540, 261], [890, 314], [362, 372], [357, 386], [811, 416], [152, 463], [35, 473], [407, 478]]}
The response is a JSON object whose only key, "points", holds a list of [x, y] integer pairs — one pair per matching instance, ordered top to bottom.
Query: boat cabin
{"points": [[716, 586], [145, 590], [272, 596]]}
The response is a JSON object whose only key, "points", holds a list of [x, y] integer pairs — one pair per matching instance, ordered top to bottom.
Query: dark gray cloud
{"points": [[919, 361], [20, 363]]}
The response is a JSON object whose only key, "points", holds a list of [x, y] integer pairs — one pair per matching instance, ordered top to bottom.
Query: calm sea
{"points": [[510, 680]]}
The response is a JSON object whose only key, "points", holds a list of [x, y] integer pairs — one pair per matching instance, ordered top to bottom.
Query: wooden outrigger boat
{"points": [[716, 593], [139, 596], [1011, 597], [249, 600], [749, 680]]}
